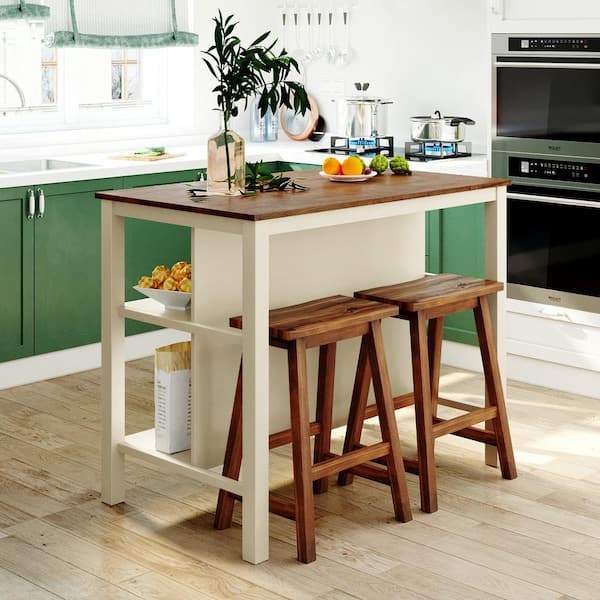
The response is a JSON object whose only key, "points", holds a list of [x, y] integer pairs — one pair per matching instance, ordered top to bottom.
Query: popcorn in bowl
{"points": [[163, 278], [171, 287]]}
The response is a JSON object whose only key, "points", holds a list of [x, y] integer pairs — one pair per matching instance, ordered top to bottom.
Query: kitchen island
{"points": [[250, 254]]}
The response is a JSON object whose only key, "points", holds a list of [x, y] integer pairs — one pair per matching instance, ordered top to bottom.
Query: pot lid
{"points": [[363, 100]]}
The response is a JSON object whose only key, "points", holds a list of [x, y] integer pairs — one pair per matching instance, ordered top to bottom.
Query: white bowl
{"points": [[348, 178], [173, 300]]}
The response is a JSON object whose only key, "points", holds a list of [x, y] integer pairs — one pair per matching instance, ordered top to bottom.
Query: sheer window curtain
{"points": [[119, 24]]}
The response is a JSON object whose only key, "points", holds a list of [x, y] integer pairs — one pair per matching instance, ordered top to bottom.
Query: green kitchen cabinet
{"points": [[148, 243], [456, 244], [52, 261], [67, 265], [16, 298]]}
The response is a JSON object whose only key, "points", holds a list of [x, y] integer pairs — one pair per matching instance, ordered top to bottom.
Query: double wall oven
{"points": [[546, 138]]}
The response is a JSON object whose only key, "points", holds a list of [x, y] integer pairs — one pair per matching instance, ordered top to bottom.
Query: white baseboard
{"points": [[462, 356], [83, 358], [528, 370], [554, 376]]}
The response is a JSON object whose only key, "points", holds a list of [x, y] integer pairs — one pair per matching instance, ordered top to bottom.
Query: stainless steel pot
{"points": [[361, 116], [438, 128]]}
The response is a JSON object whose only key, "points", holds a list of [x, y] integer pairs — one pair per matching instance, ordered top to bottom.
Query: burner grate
{"points": [[371, 145], [426, 151]]}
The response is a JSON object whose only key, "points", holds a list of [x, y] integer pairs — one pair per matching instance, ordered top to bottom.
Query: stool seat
{"points": [[432, 291], [322, 316], [321, 323]]}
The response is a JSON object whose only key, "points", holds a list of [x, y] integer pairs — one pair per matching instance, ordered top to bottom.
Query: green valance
{"points": [[24, 10], [105, 30], [70, 39]]}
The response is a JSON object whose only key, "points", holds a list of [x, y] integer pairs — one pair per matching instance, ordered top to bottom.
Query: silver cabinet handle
{"points": [[537, 65], [553, 200], [30, 204], [41, 204]]}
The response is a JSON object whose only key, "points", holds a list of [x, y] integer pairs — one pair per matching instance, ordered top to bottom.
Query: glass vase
{"points": [[226, 169]]}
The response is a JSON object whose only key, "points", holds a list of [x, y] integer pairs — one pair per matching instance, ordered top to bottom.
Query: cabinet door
{"points": [[544, 16], [148, 244], [456, 244], [16, 258], [67, 266]]}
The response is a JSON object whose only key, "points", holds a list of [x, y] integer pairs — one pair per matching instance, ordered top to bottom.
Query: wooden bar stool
{"points": [[430, 299], [320, 323]]}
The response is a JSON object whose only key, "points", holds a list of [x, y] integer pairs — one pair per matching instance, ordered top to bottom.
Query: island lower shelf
{"points": [[153, 312], [142, 445]]}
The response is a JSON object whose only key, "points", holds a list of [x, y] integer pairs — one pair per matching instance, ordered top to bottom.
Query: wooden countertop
{"points": [[322, 195]]}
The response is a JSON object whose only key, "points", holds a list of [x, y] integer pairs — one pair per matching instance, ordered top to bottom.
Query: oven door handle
{"points": [[537, 65], [553, 200]]}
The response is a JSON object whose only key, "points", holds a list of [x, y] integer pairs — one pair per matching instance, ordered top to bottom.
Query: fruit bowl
{"points": [[348, 178], [172, 300]]}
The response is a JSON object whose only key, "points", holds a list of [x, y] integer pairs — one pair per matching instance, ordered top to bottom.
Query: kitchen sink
{"points": [[38, 164]]}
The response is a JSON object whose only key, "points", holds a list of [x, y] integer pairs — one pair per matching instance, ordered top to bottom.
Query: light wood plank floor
{"points": [[537, 537]]}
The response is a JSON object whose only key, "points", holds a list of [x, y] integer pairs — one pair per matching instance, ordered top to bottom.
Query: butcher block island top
{"points": [[322, 195]]}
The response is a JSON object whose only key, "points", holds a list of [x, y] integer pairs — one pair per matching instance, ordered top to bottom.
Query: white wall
{"points": [[422, 54]]}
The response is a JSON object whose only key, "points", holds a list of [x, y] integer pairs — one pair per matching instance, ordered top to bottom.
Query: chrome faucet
{"points": [[17, 87]]}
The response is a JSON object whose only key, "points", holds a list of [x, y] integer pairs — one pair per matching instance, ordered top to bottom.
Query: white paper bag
{"points": [[172, 397]]}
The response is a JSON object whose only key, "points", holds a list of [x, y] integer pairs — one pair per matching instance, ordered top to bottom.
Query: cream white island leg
{"points": [[495, 268], [113, 355], [255, 419]]}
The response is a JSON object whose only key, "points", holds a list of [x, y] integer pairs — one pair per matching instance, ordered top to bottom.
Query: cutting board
{"points": [[147, 157]]}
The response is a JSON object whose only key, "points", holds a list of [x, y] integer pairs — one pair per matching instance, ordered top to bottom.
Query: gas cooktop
{"points": [[415, 151]]}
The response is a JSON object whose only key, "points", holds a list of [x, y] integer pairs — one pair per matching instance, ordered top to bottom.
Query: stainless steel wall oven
{"points": [[546, 138]]}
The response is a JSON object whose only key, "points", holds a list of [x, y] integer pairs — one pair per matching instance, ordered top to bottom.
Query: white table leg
{"points": [[495, 268], [255, 347], [113, 355]]}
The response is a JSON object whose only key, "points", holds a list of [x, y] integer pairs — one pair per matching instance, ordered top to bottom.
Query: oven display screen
{"points": [[555, 170]]}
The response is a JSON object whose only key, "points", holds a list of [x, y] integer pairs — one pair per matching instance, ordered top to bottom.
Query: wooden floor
{"points": [[537, 537]]}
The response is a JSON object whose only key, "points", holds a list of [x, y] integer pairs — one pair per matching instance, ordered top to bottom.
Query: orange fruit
{"points": [[332, 166], [352, 166]]}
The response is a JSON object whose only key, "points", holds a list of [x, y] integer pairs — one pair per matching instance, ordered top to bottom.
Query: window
{"points": [[125, 74], [49, 75], [74, 89]]}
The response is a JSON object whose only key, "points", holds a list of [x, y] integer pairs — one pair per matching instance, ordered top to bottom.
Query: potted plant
{"points": [[242, 73]]}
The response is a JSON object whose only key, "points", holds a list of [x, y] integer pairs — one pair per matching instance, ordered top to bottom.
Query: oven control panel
{"points": [[554, 44], [554, 170]]}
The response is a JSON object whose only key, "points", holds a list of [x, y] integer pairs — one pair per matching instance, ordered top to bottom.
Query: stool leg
{"points": [[435, 331], [493, 386], [360, 393], [324, 414], [423, 415], [300, 422], [387, 423], [233, 459]]}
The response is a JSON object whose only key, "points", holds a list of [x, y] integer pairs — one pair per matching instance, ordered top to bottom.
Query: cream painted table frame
{"points": [[253, 485]]}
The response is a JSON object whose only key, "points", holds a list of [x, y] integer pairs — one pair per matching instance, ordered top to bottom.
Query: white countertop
{"points": [[100, 166]]}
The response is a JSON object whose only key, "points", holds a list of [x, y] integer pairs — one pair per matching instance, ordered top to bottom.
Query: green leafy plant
{"points": [[243, 72], [260, 179]]}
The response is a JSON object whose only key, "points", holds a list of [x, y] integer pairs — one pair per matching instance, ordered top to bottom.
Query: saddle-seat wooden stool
{"points": [[428, 300], [320, 323]]}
